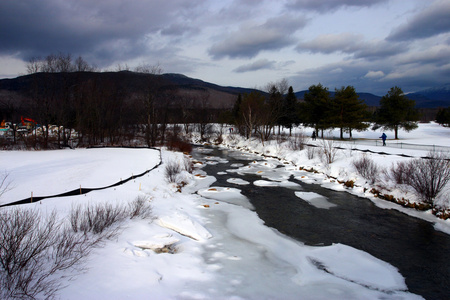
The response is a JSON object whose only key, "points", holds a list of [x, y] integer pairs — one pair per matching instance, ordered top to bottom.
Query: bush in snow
{"points": [[298, 141], [328, 151], [311, 152], [367, 168], [172, 171], [400, 173], [430, 175], [5, 184], [140, 207], [102, 219], [33, 251]]}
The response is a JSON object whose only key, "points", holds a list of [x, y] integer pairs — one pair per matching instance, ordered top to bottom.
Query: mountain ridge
{"points": [[219, 96]]}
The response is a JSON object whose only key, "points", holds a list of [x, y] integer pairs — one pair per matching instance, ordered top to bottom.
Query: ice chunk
{"points": [[238, 181], [225, 194], [315, 199], [184, 225], [156, 242], [358, 267]]}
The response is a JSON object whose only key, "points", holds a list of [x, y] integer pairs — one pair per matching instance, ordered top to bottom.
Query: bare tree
{"points": [[34, 65]]}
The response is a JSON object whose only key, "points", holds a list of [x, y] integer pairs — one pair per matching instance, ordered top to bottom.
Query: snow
{"points": [[315, 199], [218, 246]]}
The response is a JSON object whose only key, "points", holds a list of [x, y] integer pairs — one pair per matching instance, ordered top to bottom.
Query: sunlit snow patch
{"points": [[238, 181], [226, 194], [314, 199], [184, 225]]}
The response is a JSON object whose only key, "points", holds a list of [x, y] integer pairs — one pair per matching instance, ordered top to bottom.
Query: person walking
{"points": [[313, 136], [383, 138]]}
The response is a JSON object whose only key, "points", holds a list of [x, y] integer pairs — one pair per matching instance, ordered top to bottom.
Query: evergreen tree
{"points": [[315, 108], [236, 109], [348, 111], [396, 111], [289, 112], [443, 117]]}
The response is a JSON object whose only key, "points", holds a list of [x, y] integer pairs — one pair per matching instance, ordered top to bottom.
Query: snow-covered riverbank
{"points": [[342, 170], [222, 250]]}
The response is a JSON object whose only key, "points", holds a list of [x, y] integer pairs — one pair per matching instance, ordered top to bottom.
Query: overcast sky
{"points": [[372, 45]]}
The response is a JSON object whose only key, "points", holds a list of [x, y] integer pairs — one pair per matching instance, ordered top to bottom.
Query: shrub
{"points": [[298, 141], [328, 151], [310, 152], [367, 168], [172, 171], [401, 172], [430, 175], [5, 184], [140, 207], [103, 219], [34, 250]]}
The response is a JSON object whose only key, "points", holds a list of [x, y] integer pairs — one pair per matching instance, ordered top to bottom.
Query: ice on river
{"points": [[238, 181], [284, 183], [226, 194], [315, 199]]}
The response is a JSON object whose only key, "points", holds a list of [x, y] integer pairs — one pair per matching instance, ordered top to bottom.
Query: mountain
{"points": [[128, 83], [132, 83], [432, 97], [429, 98], [369, 99]]}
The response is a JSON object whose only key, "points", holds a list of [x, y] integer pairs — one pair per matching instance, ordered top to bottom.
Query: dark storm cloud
{"points": [[330, 5], [432, 21], [110, 29], [248, 41]]}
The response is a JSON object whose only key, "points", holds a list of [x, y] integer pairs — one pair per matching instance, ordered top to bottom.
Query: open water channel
{"points": [[412, 245]]}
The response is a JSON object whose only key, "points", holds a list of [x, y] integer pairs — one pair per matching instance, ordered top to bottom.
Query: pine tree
{"points": [[315, 108], [348, 111], [396, 111], [289, 114], [443, 117]]}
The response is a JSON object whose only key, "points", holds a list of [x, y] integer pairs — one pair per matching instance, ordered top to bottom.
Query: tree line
{"points": [[101, 109], [259, 115]]}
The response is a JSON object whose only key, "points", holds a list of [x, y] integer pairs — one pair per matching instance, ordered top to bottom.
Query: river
{"points": [[412, 245]]}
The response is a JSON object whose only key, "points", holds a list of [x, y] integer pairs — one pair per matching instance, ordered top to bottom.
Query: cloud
{"points": [[327, 5], [432, 21], [109, 29], [178, 29], [248, 41], [330, 43], [351, 44], [438, 55], [255, 66], [374, 74], [362, 75]]}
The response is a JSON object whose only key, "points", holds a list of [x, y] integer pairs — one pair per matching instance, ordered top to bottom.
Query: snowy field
{"points": [[223, 250]]}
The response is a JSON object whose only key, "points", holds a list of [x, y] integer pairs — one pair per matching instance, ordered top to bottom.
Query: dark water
{"points": [[421, 253]]}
